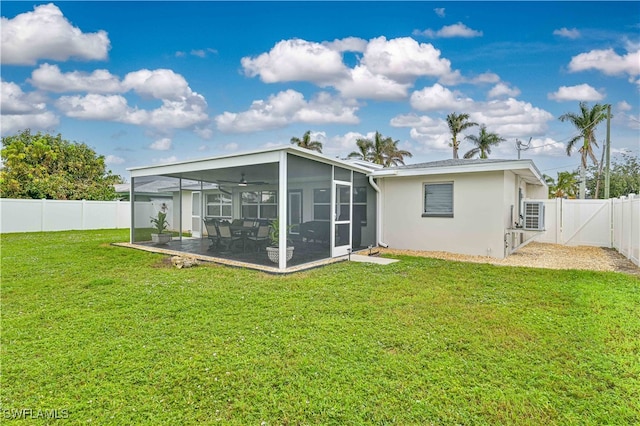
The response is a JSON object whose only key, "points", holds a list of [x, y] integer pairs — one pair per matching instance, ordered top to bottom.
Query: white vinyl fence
{"points": [[58, 215], [602, 223]]}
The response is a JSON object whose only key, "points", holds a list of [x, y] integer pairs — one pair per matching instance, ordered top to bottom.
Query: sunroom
{"points": [[235, 209]]}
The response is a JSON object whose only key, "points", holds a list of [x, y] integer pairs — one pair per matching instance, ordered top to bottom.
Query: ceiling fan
{"points": [[243, 181]]}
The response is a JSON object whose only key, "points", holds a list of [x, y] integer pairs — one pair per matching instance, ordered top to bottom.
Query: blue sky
{"points": [[152, 82]]}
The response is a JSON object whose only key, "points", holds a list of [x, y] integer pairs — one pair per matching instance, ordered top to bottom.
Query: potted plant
{"points": [[160, 224], [273, 251]]}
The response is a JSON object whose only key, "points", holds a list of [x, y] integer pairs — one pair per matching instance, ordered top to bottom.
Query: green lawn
{"points": [[112, 335]]}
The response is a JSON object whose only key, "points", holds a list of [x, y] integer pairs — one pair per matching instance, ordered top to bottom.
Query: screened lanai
{"points": [[236, 207]]}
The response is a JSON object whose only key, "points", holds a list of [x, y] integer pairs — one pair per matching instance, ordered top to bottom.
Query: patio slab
{"points": [[372, 259]]}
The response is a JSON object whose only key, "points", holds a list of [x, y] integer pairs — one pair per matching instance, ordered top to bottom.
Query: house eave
{"points": [[267, 155], [524, 168]]}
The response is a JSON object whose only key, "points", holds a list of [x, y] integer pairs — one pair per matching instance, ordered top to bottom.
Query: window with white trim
{"points": [[438, 199], [259, 204], [322, 204], [360, 204], [219, 205]]}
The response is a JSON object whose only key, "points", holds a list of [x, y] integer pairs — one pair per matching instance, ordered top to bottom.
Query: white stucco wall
{"points": [[479, 214]]}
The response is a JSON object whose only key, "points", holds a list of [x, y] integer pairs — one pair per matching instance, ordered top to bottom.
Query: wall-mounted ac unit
{"points": [[533, 216]]}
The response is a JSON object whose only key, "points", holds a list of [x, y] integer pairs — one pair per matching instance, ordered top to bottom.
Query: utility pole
{"points": [[520, 146], [607, 176]]}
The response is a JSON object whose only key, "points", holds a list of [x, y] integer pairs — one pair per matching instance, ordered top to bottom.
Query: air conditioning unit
{"points": [[533, 216]]}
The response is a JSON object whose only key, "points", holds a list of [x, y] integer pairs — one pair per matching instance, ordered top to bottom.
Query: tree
{"points": [[585, 122], [457, 123], [307, 143], [483, 143], [364, 150], [380, 150], [45, 166], [624, 177], [565, 187]]}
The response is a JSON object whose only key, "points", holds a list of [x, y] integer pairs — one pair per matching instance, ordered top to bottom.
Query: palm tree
{"points": [[585, 122], [457, 123], [483, 142], [307, 143], [364, 150], [380, 150], [393, 155], [565, 187]]}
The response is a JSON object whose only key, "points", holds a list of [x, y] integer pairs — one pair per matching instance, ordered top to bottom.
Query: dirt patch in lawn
{"points": [[540, 255]]}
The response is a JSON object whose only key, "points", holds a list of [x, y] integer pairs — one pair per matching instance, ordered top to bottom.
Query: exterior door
{"points": [[295, 211], [196, 214], [341, 220]]}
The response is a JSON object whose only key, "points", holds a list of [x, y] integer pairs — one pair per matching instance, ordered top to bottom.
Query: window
{"points": [[438, 200], [260, 204], [322, 204], [360, 204], [219, 205]]}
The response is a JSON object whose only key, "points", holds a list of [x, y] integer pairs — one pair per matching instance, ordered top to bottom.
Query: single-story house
{"points": [[461, 206], [330, 207]]}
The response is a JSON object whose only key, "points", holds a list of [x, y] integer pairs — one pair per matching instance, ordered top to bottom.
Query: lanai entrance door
{"points": [[341, 235]]}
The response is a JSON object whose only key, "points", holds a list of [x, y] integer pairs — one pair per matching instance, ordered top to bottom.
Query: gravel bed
{"points": [[541, 255]]}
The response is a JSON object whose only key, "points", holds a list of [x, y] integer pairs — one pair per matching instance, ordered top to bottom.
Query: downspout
{"points": [[378, 212]]}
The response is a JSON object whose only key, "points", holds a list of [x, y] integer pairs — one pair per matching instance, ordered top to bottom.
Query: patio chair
{"points": [[212, 232], [226, 237], [261, 237]]}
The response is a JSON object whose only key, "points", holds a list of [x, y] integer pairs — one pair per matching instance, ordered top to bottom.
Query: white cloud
{"points": [[439, 11], [450, 31], [572, 33], [46, 34], [349, 44], [203, 53], [404, 59], [296, 60], [608, 62], [386, 69], [487, 77], [50, 78], [158, 84], [364, 84], [503, 90], [581, 92], [437, 98], [15, 101], [180, 106], [623, 106], [94, 107], [288, 107], [324, 108], [20, 110], [171, 115], [511, 118], [45, 120], [431, 134], [163, 144], [341, 145], [231, 146], [546, 146], [171, 159], [113, 160]]}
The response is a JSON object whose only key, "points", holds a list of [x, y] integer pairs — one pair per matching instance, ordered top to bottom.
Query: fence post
{"points": [[43, 205], [82, 208], [559, 224]]}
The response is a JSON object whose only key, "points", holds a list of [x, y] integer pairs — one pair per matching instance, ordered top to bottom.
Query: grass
{"points": [[115, 336]]}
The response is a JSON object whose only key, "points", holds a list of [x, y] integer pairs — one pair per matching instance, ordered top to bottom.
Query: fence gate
{"points": [[578, 222]]}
